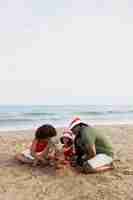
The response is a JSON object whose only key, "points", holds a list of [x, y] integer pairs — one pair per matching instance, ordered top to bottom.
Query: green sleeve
{"points": [[89, 136]]}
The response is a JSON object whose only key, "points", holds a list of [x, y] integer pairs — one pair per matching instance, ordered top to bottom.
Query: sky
{"points": [[66, 52]]}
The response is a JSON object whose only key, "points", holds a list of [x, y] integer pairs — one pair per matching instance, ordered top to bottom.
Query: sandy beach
{"points": [[22, 182]]}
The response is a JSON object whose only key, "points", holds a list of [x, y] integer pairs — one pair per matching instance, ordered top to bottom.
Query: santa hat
{"points": [[75, 121], [68, 134]]}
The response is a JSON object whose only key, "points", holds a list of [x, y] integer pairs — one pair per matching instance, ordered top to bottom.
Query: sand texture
{"points": [[22, 182]]}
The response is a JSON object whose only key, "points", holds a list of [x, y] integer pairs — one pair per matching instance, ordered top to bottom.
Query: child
{"points": [[67, 141], [42, 148]]}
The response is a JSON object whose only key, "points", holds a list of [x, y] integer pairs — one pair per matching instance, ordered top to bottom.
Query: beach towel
{"points": [[99, 160]]}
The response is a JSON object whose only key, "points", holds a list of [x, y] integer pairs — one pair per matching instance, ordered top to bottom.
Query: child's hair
{"points": [[45, 131]]}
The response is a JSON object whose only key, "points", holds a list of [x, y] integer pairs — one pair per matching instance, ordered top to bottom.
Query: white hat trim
{"points": [[75, 123], [68, 136]]}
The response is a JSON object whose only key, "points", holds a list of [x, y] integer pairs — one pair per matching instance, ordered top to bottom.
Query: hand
{"points": [[39, 157], [74, 161], [35, 162]]}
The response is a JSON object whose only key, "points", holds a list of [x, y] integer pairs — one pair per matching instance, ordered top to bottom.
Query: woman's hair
{"points": [[81, 125], [77, 128], [45, 131]]}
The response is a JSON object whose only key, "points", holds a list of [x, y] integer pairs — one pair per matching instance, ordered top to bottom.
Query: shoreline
{"points": [[32, 130]]}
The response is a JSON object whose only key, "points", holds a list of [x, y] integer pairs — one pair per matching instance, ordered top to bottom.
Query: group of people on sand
{"points": [[83, 148]]}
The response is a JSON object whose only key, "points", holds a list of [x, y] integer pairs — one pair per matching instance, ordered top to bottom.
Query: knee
{"points": [[18, 156]]}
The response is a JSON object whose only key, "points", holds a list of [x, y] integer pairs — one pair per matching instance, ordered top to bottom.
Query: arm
{"points": [[89, 138], [33, 148], [90, 151], [48, 152], [44, 154]]}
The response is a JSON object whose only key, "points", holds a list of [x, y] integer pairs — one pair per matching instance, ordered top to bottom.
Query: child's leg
{"points": [[20, 157], [99, 163], [104, 168], [88, 169]]}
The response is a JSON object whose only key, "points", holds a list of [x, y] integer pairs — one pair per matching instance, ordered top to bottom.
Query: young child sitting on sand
{"points": [[42, 149], [68, 150]]}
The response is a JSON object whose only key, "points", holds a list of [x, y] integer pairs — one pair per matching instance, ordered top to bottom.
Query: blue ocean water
{"points": [[14, 117]]}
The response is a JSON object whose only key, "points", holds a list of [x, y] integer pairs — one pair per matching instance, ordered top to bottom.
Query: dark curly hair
{"points": [[45, 131]]}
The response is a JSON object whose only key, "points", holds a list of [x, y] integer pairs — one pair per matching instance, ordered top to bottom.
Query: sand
{"points": [[22, 182]]}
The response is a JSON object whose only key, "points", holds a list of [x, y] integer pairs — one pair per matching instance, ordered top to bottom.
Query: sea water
{"points": [[18, 117]]}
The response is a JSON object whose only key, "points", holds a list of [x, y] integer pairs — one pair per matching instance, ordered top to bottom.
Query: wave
{"points": [[103, 112], [119, 112], [90, 113], [38, 114], [31, 116], [31, 119], [15, 120]]}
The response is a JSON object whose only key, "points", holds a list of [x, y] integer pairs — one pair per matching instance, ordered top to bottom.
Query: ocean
{"points": [[20, 117]]}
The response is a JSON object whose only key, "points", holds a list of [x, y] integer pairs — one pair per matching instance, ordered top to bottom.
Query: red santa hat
{"points": [[75, 122]]}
